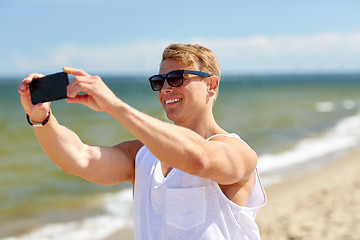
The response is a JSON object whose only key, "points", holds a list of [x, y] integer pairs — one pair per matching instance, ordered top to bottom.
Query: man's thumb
{"points": [[74, 71]]}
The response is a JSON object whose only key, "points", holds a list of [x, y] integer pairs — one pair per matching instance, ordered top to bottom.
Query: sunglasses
{"points": [[173, 78]]}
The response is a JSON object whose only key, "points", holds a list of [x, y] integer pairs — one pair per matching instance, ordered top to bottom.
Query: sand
{"points": [[322, 204], [123, 234]]}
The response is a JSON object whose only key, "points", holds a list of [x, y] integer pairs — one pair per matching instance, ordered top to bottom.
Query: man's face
{"points": [[183, 103]]}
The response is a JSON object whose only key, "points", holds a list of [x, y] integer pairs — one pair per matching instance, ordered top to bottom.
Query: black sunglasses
{"points": [[173, 78]]}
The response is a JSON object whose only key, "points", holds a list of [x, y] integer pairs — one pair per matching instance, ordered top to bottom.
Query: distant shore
{"points": [[322, 204]]}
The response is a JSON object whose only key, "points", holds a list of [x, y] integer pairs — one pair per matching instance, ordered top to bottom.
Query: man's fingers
{"points": [[68, 70], [75, 71], [32, 76], [24, 85], [77, 86], [82, 99]]}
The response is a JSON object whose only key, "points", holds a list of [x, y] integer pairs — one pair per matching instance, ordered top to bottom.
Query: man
{"points": [[192, 179]]}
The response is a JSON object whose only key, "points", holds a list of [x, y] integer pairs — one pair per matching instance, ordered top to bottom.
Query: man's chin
{"points": [[171, 116]]}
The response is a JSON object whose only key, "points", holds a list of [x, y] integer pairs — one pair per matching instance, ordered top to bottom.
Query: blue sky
{"points": [[127, 37]]}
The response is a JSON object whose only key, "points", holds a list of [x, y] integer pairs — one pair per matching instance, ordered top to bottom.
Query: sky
{"points": [[128, 37]]}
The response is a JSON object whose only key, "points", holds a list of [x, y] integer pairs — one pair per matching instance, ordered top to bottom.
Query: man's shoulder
{"points": [[230, 138], [131, 147]]}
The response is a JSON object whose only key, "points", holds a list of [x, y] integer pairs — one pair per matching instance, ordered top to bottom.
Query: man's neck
{"points": [[205, 127]]}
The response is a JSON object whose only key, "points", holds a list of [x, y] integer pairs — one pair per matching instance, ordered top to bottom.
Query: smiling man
{"points": [[192, 179]]}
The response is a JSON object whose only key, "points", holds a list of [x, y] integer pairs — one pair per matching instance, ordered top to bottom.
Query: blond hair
{"points": [[192, 54]]}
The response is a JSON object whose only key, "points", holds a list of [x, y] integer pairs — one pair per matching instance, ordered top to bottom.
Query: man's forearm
{"points": [[177, 146]]}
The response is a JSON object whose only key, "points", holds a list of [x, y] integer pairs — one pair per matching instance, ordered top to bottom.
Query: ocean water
{"points": [[294, 123]]}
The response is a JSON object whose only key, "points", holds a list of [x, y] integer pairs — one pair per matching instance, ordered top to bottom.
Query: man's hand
{"points": [[98, 95], [37, 112]]}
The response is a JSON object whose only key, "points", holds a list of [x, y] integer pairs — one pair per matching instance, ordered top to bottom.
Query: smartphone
{"points": [[49, 88]]}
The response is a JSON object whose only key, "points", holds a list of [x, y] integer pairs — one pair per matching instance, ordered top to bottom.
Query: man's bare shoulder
{"points": [[234, 140], [130, 148], [233, 158], [240, 191]]}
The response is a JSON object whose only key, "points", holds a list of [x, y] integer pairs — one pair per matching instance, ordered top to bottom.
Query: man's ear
{"points": [[213, 86]]}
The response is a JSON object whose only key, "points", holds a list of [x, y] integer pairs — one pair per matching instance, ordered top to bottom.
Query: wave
{"points": [[329, 106], [323, 107], [312, 151], [118, 215]]}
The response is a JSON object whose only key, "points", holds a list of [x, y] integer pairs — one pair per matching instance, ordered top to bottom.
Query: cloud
{"points": [[279, 45], [319, 52], [289, 53], [134, 57]]}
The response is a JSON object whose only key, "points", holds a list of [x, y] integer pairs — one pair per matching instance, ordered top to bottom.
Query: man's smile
{"points": [[172, 101]]}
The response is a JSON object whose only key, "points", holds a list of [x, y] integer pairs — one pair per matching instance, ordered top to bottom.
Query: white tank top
{"points": [[184, 206]]}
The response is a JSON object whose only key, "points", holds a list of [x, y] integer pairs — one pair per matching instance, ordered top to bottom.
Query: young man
{"points": [[192, 179]]}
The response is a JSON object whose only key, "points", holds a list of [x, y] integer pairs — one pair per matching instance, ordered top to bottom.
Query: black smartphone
{"points": [[49, 88]]}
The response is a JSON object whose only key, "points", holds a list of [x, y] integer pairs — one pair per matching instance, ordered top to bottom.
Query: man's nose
{"points": [[166, 87]]}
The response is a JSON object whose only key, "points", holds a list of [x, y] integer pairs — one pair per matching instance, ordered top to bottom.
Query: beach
{"points": [[304, 128], [321, 204]]}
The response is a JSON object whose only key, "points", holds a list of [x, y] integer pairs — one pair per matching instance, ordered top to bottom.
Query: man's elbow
{"points": [[198, 165], [71, 171], [227, 173]]}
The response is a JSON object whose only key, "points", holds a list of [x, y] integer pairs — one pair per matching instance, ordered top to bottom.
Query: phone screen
{"points": [[49, 88]]}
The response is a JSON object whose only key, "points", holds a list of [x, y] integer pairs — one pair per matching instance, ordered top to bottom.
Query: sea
{"points": [[295, 123]]}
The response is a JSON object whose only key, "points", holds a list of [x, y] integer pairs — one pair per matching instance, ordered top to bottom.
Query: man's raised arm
{"points": [[102, 165]]}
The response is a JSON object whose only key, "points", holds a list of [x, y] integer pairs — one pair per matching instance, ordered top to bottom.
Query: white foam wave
{"points": [[349, 104], [324, 107], [345, 134], [118, 215]]}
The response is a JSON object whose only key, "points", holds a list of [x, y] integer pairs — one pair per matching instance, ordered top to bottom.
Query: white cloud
{"points": [[279, 45], [328, 51], [318, 52], [128, 58]]}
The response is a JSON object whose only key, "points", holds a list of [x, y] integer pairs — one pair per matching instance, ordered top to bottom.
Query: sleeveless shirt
{"points": [[184, 206]]}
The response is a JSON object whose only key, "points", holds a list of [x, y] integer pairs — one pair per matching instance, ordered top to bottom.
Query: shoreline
{"points": [[320, 204]]}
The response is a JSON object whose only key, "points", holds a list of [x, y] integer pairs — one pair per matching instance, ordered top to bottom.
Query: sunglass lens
{"points": [[175, 79], [157, 82]]}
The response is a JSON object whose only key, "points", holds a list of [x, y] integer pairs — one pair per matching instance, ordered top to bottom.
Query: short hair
{"points": [[190, 54]]}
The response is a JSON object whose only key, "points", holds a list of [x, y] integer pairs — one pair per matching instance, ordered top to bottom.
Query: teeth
{"points": [[172, 100]]}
